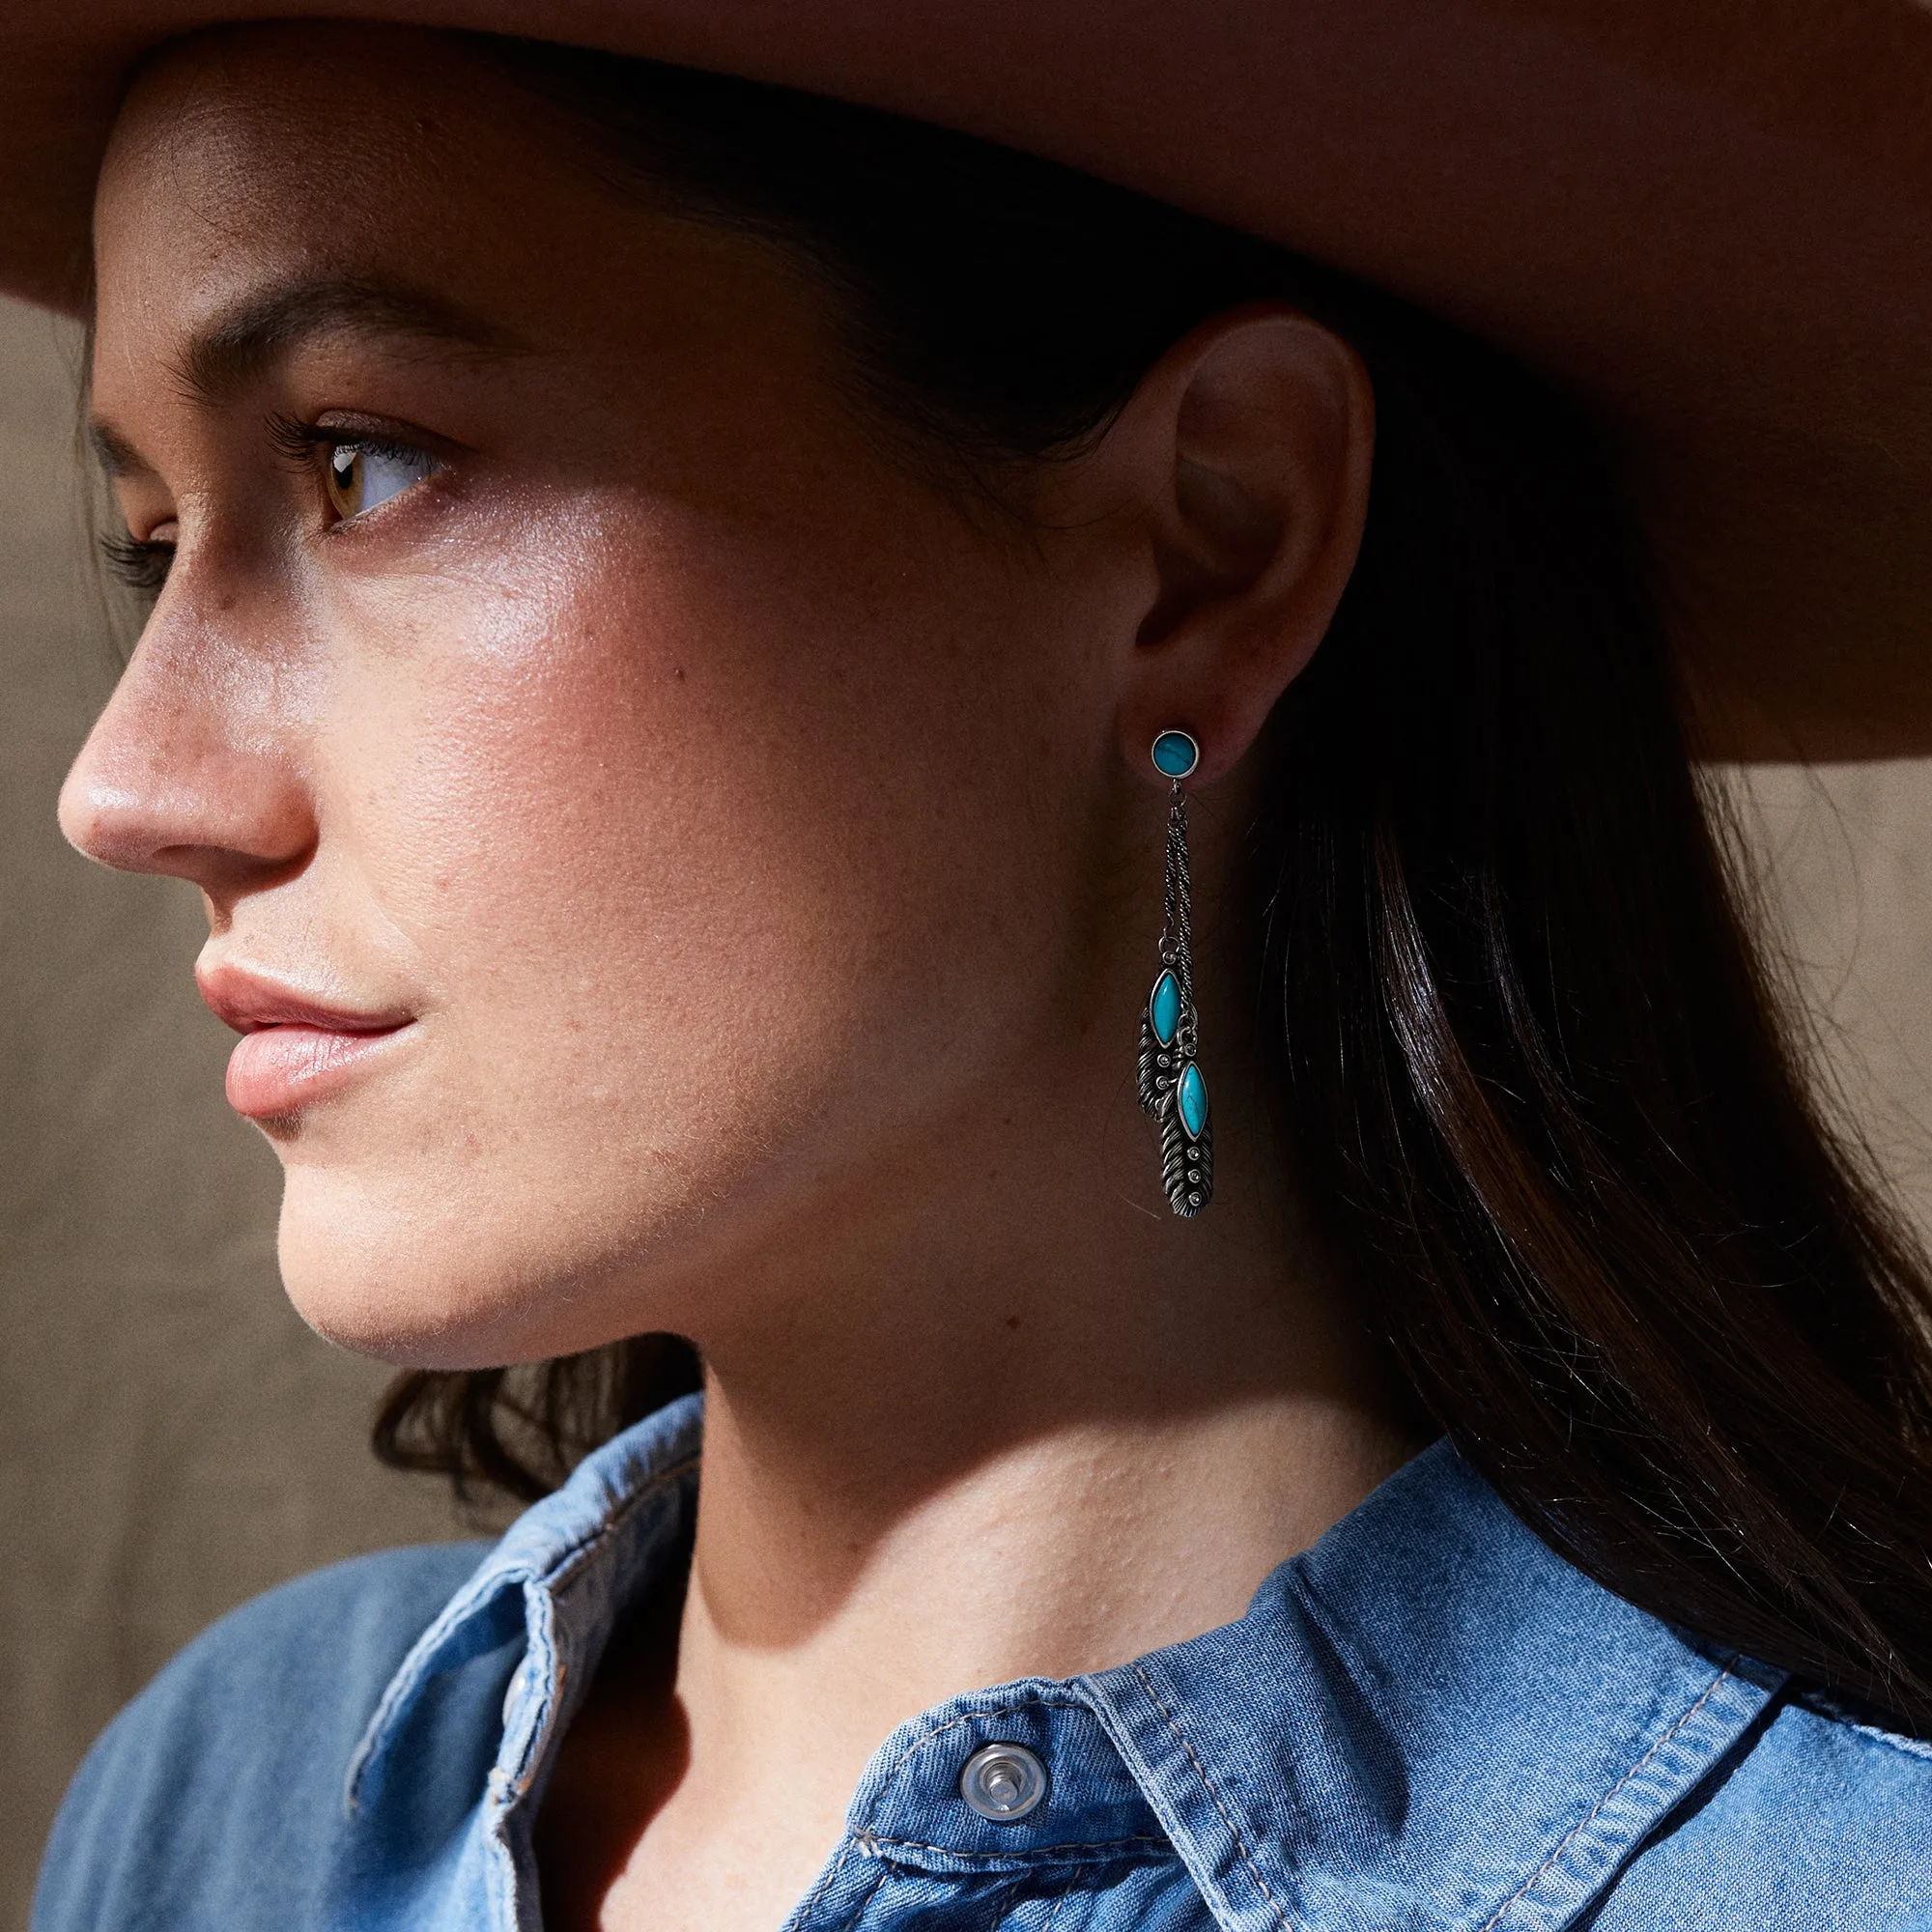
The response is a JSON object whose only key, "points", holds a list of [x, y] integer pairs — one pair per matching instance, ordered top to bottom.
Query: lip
{"points": [[294, 1050]]}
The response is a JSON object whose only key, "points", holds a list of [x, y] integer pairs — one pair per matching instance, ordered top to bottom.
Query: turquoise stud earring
{"points": [[1171, 1087]]}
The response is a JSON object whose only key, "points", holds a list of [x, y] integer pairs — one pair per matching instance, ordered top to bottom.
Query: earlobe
{"points": [[1252, 439]]}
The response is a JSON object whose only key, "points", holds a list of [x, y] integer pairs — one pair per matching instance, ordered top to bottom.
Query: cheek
{"points": [[717, 870]]}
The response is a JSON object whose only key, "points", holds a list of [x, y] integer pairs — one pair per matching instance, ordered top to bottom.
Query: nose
{"points": [[189, 774]]}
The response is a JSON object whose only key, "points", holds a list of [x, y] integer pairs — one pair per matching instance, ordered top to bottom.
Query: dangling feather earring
{"points": [[1171, 1089]]}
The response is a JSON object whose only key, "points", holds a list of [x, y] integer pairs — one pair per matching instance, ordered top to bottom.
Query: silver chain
{"points": [[1176, 933]]}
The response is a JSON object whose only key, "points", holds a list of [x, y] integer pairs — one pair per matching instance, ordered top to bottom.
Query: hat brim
{"points": [[1711, 220]]}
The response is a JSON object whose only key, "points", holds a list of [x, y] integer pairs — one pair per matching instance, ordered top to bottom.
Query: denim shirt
{"points": [[1428, 1720]]}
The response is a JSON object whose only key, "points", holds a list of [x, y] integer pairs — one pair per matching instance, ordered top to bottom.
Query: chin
{"points": [[406, 1284], [400, 1308]]}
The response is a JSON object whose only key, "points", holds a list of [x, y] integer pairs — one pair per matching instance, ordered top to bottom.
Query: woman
{"points": [[723, 664]]}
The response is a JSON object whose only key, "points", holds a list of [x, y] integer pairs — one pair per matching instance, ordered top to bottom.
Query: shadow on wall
{"points": [[172, 1439]]}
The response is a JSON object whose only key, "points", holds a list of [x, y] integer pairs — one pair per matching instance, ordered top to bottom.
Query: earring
{"points": [[1171, 1087]]}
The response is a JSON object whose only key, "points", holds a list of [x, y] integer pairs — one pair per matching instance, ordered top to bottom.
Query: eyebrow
{"points": [[243, 343]]}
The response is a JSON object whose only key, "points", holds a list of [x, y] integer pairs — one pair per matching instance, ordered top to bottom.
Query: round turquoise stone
{"points": [[1175, 755], [1164, 1009], [1190, 1095]]}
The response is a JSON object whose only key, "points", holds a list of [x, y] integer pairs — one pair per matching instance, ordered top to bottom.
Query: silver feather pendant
{"points": [[1171, 1084], [1174, 1091]]}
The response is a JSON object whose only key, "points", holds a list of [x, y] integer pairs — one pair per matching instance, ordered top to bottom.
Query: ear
{"points": [[1245, 453]]}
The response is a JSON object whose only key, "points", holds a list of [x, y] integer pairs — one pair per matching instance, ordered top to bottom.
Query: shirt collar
{"points": [[571, 1564], [1428, 1718]]}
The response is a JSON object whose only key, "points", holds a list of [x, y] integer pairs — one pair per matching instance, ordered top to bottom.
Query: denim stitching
{"points": [[932, 1731], [1227, 1817], [1584, 1824], [868, 1839], [825, 1879], [1061, 1898], [864, 1899]]}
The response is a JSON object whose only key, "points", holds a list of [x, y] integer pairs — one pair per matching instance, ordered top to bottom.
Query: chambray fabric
{"points": [[1428, 1722]]}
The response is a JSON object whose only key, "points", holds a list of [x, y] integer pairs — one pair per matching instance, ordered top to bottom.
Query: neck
{"points": [[994, 1421], [988, 1469]]}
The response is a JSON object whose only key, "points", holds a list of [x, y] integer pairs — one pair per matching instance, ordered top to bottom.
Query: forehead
{"points": [[240, 143], [260, 157]]}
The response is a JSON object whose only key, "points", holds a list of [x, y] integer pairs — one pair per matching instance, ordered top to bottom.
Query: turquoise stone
{"points": [[1175, 755], [1164, 1009], [1191, 1096]]}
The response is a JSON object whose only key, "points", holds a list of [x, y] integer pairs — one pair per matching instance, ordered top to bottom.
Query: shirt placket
{"points": [[1007, 1811]]}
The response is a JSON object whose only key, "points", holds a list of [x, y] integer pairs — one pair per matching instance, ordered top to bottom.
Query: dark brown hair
{"points": [[1542, 1093]]}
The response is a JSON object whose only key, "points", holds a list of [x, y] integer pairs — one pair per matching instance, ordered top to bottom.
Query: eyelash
{"points": [[299, 441], [143, 565]]}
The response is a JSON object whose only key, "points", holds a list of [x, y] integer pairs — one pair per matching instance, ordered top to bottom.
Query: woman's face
{"points": [[644, 828]]}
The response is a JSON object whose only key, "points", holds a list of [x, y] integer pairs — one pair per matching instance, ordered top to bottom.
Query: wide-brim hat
{"points": [[1711, 219]]}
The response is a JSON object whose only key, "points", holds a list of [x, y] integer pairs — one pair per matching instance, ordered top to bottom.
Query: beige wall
{"points": [[1847, 854], [172, 1439]]}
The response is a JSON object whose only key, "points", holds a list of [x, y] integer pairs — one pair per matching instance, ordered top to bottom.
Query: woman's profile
{"points": [[976, 915]]}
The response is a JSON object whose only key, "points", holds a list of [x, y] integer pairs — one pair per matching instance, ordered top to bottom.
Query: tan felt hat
{"points": [[1712, 218]]}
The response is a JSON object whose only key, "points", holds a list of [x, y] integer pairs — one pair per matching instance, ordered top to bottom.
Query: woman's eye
{"points": [[361, 475]]}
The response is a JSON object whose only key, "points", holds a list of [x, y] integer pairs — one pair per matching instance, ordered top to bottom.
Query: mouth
{"points": [[294, 1050]]}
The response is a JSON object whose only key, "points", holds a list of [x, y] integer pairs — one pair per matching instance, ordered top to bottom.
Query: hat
{"points": [[1711, 219]]}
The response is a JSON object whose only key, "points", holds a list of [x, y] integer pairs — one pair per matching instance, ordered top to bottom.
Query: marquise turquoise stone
{"points": [[1175, 755], [1164, 1009], [1190, 1095]]}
